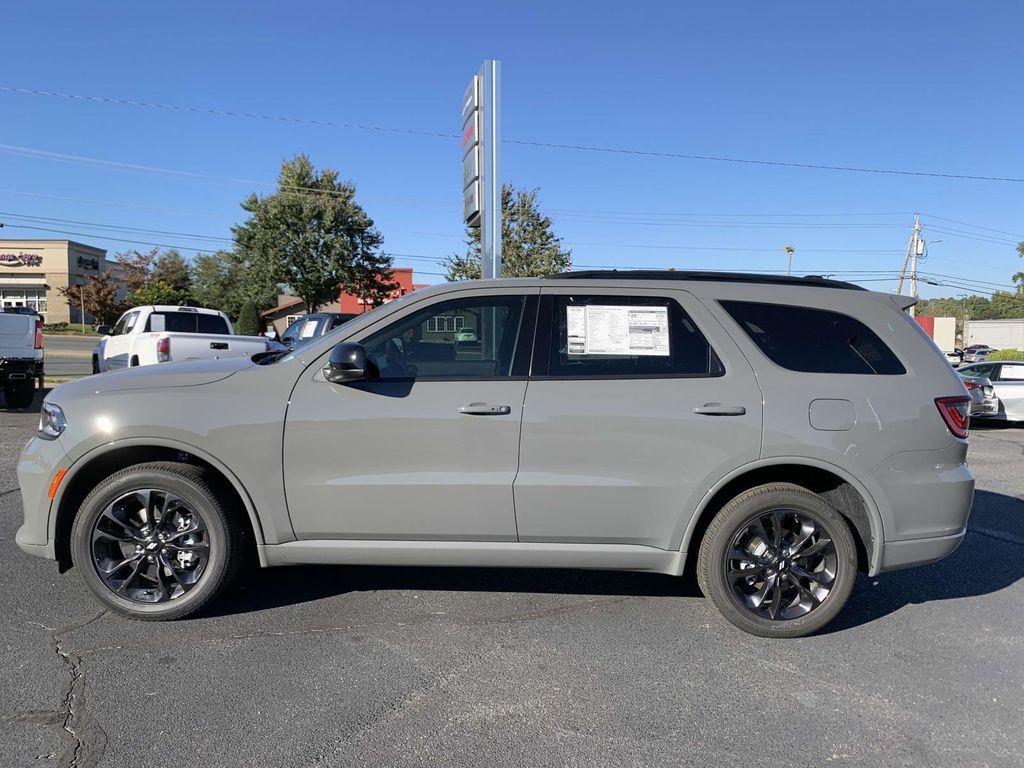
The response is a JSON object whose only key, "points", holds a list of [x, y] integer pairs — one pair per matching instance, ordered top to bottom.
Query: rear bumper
{"points": [[20, 368], [904, 554]]}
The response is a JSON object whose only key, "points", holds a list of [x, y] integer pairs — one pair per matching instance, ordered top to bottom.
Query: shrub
{"points": [[1007, 354]]}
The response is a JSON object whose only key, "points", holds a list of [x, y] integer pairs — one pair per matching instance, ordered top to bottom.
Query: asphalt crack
{"points": [[84, 739]]}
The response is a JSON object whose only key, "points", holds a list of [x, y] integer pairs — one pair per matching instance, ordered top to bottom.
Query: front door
{"points": [[117, 348], [1009, 388], [638, 403], [429, 448]]}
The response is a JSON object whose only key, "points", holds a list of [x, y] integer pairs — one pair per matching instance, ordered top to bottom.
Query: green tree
{"points": [[312, 236], [529, 246], [171, 268], [1018, 280], [219, 281], [156, 292], [248, 320]]}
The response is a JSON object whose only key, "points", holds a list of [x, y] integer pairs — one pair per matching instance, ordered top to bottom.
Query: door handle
{"points": [[218, 345], [483, 409], [717, 409]]}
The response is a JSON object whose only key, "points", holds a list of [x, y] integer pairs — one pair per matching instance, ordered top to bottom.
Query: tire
{"points": [[133, 362], [95, 365], [19, 393], [742, 537], [155, 582]]}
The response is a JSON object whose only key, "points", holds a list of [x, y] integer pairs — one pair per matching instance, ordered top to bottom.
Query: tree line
{"points": [[309, 238]]}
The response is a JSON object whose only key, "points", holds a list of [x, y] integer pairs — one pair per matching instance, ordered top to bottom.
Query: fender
{"points": [[157, 442], [874, 514]]}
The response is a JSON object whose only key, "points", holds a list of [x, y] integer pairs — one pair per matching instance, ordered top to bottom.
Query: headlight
{"points": [[51, 422]]}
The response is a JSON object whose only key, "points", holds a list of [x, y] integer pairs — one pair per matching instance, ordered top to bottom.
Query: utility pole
{"points": [[915, 249]]}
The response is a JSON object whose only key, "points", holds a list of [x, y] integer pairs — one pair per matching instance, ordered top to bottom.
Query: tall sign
{"points": [[481, 184]]}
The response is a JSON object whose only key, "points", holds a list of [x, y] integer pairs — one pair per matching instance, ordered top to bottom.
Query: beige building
{"points": [[32, 272]]}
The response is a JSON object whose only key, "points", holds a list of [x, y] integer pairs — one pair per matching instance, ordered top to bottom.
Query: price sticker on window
{"points": [[617, 330]]}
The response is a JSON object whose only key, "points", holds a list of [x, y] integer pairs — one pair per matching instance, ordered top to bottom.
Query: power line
{"points": [[226, 112], [520, 142], [974, 226]]}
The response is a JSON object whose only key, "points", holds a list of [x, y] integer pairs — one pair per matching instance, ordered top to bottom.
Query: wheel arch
{"points": [[85, 473], [841, 489]]}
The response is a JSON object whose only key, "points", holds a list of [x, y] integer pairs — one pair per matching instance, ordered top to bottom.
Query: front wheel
{"points": [[95, 364], [153, 541], [778, 561]]}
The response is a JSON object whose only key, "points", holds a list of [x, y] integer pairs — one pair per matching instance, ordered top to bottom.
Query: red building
{"points": [[349, 304]]}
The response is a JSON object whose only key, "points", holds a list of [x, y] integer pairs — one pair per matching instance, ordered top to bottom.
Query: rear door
{"points": [[638, 403]]}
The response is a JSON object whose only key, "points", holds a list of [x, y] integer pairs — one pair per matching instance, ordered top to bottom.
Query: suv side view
{"points": [[774, 435]]}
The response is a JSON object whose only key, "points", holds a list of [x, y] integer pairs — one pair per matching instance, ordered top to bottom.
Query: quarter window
{"points": [[614, 336], [470, 338], [814, 340]]}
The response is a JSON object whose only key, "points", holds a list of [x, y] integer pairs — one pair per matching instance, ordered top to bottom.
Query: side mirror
{"points": [[103, 330], [347, 364]]}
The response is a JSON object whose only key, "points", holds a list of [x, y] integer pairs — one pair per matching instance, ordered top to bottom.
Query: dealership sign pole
{"points": [[481, 184]]}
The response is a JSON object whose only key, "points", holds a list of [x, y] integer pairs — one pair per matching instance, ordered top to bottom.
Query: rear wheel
{"points": [[95, 364], [19, 393], [153, 542], [778, 561]]}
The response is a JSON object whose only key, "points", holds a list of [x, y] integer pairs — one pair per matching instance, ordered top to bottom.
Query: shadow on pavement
{"points": [[990, 559]]}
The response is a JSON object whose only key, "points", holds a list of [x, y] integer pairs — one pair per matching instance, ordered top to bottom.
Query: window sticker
{"points": [[617, 330], [1015, 372]]}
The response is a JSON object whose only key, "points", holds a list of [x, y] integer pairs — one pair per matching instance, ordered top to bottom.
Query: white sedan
{"points": [[1007, 377]]}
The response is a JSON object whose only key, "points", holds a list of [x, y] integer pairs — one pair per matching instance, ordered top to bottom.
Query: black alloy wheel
{"points": [[154, 541], [150, 546], [778, 561], [781, 565]]}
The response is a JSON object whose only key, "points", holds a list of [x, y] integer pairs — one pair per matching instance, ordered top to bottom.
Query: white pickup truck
{"points": [[163, 334], [21, 357]]}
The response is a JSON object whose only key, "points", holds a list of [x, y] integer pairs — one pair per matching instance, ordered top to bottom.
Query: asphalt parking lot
{"points": [[406, 666]]}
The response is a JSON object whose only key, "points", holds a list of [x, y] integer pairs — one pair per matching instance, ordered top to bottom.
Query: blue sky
{"points": [[931, 86]]}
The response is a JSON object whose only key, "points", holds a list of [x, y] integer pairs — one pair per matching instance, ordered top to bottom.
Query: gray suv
{"points": [[774, 435]]}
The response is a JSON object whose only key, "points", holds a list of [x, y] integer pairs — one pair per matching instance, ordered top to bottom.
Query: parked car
{"points": [[313, 326], [164, 334], [976, 353], [21, 356], [1007, 380], [983, 396], [777, 433]]}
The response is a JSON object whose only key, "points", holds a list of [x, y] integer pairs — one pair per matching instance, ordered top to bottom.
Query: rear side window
{"points": [[611, 336], [814, 340]]}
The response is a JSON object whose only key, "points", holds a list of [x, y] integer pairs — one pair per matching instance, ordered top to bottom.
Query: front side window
{"points": [[610, 336], [471, 338], [813, 340], [1011, 372]]}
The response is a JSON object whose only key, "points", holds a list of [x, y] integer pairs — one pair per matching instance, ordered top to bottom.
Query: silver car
{"points": [[1007, 380], [774, 434]]}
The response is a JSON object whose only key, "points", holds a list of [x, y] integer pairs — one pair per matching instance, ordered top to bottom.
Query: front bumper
{"points": [[39, 464]]}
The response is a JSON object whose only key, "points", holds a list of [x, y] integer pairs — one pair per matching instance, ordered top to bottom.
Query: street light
{"points": [[790, 250]]}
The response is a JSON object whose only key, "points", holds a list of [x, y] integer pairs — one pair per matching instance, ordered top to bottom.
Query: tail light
{"points": [[39, 333], [163, 349], [971, 384], [956, 412]]}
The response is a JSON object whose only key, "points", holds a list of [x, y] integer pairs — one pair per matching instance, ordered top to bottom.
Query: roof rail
{"points": [[815, 281]]}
